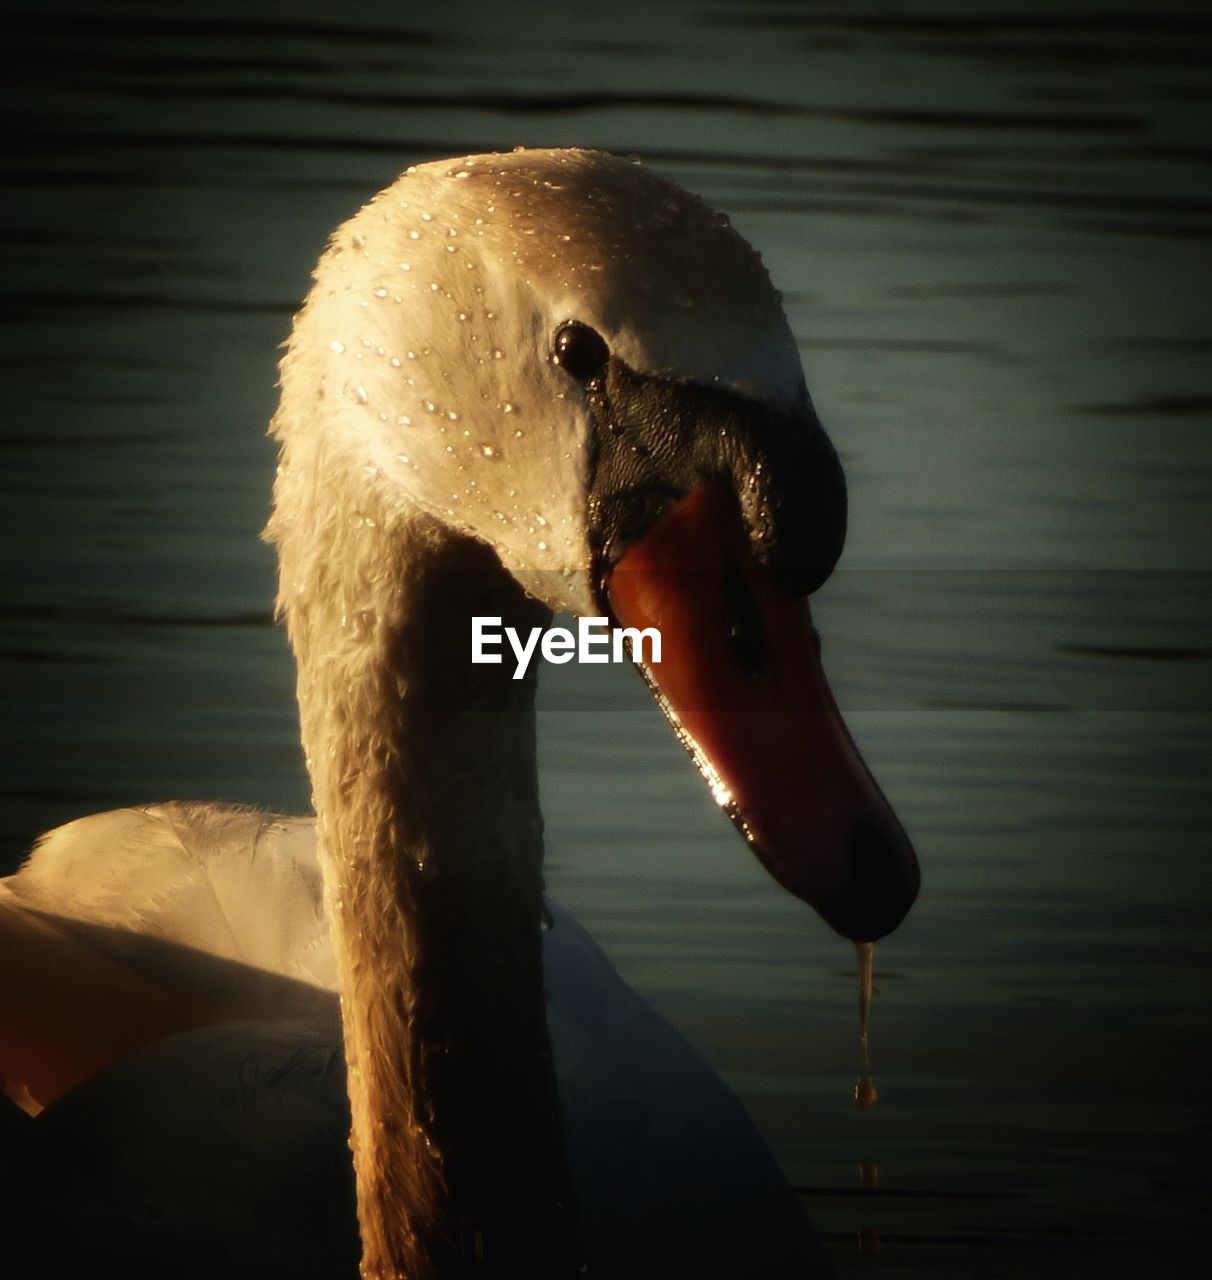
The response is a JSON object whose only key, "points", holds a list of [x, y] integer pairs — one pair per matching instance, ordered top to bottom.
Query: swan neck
{"points": [[425, 785]]}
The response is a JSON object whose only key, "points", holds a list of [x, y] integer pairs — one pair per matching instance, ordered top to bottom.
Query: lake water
{"points": [[991, 227]]}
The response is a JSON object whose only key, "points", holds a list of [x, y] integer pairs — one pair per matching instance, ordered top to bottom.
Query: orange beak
{"points": [[740, 678]]}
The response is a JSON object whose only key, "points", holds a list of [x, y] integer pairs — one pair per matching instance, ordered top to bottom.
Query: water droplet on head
{"points": [[337, 346]]}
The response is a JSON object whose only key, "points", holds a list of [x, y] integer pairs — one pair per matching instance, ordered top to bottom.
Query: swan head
{"points": [[574, 361]]}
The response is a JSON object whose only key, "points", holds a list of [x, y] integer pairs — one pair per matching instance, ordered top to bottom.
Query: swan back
{"points": [[227, 882]]}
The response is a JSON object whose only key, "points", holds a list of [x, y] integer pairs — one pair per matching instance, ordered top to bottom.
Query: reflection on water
{"points": [[991, 228], [869, 1237]]}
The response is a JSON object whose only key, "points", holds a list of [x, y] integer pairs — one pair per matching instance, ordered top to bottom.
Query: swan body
{"points": [[520, 383], [664, 1155]]}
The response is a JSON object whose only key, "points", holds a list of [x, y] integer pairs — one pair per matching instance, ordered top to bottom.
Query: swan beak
{"points": [[740, 678]]}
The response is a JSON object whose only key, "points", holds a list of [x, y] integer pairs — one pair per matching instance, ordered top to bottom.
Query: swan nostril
{"points": [[746, 630]]}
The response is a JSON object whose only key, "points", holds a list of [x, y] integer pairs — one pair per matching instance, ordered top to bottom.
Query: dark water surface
{"points": [[991, 226]]}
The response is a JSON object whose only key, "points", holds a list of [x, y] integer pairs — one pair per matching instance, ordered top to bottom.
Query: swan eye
{"points": [[580, 351]]}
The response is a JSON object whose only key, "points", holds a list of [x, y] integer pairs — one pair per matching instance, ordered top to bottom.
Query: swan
{"points": [[525, 382]]}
